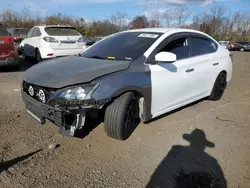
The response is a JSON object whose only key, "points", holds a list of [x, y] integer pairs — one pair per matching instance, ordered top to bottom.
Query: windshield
{"points": [[3, 31], [62, 31], [18, 32], [122, 46]]}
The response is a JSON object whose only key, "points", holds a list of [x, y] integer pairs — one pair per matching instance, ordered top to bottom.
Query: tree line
{"points": [[218, 22]]}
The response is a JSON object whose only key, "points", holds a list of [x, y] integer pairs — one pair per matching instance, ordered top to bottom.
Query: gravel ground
{"points": [[207, 142]]}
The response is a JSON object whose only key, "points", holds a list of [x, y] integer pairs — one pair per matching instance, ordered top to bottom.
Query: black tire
{"points": [[38, 56], [219, 87], [122, 117]]}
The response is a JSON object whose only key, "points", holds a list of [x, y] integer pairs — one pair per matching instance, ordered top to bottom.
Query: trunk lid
{"points": [[65, 38]]}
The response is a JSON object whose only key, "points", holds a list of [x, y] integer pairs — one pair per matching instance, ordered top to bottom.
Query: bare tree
{"points": [[182, 16], [175, 17], [119, 19], [139, 22]]}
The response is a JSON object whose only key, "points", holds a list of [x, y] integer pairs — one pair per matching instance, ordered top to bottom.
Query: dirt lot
{"points": [[153, 156]]}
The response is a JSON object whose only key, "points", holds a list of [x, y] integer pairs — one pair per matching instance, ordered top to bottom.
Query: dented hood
{"points": [[61, 72]]}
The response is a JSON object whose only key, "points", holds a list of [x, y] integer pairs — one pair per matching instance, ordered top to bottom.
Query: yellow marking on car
{"points": [[110, 57]]}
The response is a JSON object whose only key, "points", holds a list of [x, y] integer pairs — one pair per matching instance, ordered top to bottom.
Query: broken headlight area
{"points": [[79, 95], [74, 102]]}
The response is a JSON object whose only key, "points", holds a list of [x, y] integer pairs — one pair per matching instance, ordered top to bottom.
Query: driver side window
{"points": [[179, 47]]}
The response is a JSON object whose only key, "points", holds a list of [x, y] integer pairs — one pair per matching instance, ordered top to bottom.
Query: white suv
{"points": [[51, 41]]}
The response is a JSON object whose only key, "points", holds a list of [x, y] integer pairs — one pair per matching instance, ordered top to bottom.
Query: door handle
{"points": [[215, 64], [190, 70]]}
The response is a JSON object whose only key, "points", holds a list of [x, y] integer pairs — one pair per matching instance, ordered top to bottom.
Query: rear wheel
{"points": [[38, 56], [219, 87], [122, 117]]}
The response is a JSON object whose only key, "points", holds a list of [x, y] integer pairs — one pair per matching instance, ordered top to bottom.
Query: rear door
{"points": [[64, 38], [34, 41], [27, 46], [205, 63]]}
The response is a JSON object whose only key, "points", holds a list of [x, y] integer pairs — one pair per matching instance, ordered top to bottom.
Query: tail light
{"points": [[50, 39], [7, 40]]}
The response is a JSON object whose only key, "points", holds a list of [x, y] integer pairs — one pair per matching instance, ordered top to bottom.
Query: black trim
{"points": [[167, 40]]}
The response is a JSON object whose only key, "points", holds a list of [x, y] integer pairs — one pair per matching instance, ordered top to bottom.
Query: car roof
{"points": [[44, 26], [164, 30]]}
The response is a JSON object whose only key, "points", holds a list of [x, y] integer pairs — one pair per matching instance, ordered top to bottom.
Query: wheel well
{"points": [[224, 72], [137, 94], [143, 114]]}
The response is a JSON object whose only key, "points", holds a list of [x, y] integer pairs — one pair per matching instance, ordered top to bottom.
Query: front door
{"points": [[171, 82]]}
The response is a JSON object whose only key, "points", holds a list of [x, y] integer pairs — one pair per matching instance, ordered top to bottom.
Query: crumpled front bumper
{"points": [[42, 112]]}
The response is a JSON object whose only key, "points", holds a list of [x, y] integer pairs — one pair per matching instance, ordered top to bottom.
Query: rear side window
{"points": [[3, 31], [62, 31], [36, 32], [29, 35], [201, 46]]}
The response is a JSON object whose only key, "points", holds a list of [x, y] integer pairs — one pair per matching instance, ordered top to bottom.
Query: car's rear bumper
{"points": [[47, 53], [9, 62]]}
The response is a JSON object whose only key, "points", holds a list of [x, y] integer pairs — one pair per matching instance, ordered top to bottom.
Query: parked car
{"points": [[18, 34], [50, 41], [90, 41], [224, 43], [234, 46], [245, 46], [8, 53], [133, 76]]}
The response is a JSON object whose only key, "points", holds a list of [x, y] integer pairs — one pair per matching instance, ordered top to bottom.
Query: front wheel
{"points": [[219, 87], [122, 116]]}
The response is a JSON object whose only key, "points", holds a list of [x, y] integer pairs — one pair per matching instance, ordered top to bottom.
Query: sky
{"points": [[101, 9]]}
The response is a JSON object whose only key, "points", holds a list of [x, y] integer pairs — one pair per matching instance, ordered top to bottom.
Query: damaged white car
{"points": [[133, 76]]}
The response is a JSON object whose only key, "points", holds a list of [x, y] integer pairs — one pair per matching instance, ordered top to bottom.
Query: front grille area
{"points": [[48, 92]]}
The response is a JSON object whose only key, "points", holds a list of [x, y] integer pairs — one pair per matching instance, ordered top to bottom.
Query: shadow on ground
{"points": [[6, 165], [189, 166]]}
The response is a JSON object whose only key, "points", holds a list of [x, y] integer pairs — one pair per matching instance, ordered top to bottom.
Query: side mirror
{"points": [[166, 57]]}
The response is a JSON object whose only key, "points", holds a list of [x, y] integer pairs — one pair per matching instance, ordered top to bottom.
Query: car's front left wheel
{"points": [[122, 116]]}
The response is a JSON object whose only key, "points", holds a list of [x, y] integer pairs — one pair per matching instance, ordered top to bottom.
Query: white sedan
{"points": [[132, 76]]}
